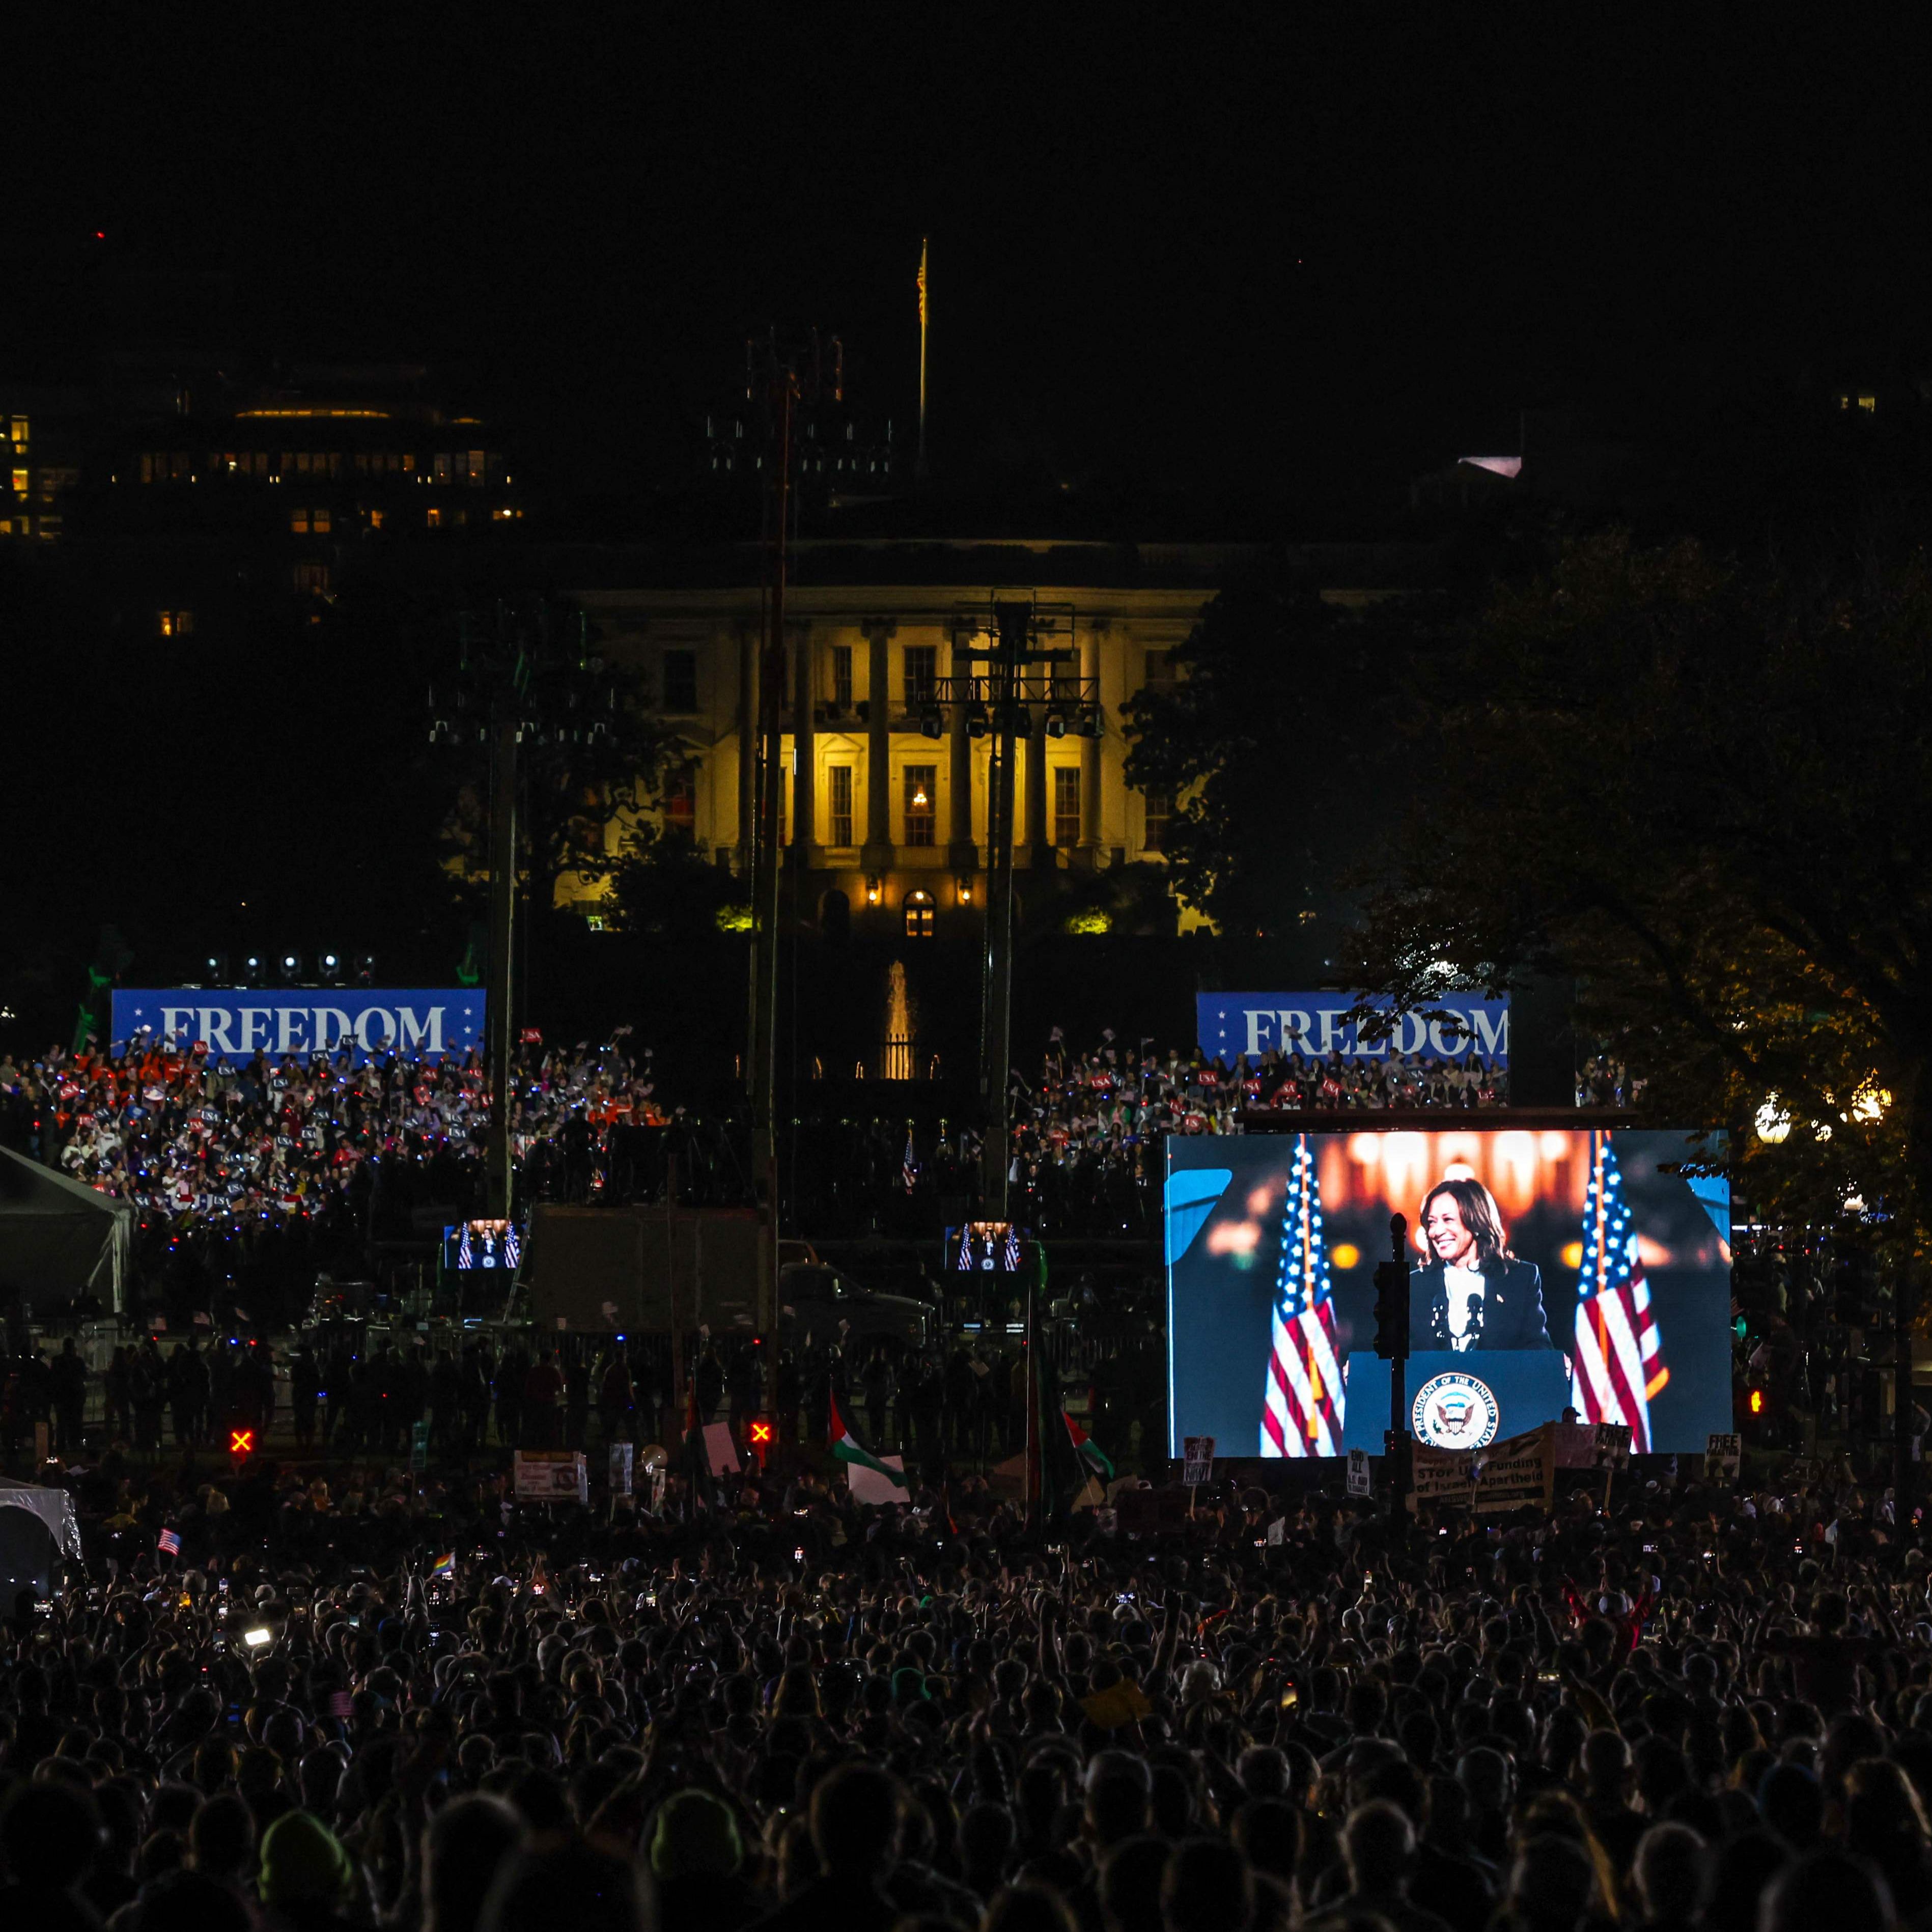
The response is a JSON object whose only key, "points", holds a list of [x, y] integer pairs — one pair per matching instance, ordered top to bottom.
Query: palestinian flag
{"points": [[845, 1447], [1088, 1450]]}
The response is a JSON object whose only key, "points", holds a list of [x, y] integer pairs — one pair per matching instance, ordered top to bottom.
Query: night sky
{"points": [[1247, 259]]}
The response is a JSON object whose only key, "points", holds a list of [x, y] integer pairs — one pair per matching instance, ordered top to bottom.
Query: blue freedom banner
{"points": [[237, 1023], [1311, 1026]]}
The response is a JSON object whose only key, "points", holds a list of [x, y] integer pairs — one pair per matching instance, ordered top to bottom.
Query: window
{"points": [[19, 426], [474, 466], [441, 471], [22, 482], [435, 517], [298, 520], [375, 520], [312, 576], [174, 623], [921, 674], [1160, 675], [842, 677], [680, 680], [839, 780], [680, 800], [1066, 805], [1159, 810], [921, 814], [918, 915]]}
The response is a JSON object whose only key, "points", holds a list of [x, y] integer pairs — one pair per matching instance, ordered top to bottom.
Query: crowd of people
{"points": [[225, 1162], [269, 1701]]}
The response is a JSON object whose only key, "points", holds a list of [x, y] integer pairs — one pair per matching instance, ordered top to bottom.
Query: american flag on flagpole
{"points": [[909, 1164], [1618, 1363], [1301, 1415], [169, 1543]]}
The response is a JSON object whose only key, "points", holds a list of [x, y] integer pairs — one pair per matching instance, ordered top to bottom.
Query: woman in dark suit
{"points": [[1473, 1294]]}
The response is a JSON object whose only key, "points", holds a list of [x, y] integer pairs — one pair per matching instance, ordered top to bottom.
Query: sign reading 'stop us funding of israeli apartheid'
{"points": [[292, 1022]]}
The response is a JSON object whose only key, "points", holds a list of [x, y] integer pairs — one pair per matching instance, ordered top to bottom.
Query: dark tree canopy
{"points": [[1704, 791]]}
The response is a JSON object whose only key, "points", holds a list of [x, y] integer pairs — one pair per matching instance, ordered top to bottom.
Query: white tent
{"points": [[59, 1237], [55, 1508]]}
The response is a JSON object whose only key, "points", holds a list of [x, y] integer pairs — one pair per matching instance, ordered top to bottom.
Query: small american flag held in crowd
{"points": [[909, 1166], [1619, 1355], [1302, 1410], [170, 1543], [339, 1704]]}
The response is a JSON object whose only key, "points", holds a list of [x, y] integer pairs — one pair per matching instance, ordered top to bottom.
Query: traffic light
{"points": [[1392, 1312]]}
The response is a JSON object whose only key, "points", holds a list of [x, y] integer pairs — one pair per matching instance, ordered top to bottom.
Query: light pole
{"points": [[1019, 676], [516, 685]]}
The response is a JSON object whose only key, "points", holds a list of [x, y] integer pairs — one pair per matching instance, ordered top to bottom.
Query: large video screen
{"points": [[1546, 1270]]}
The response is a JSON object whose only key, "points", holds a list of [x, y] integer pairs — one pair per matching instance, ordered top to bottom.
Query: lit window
{"points": [[1869, 404], [19, 428], [409, 459], [475, 465], [147, 467], [443, 467], [22, 482], [435, 517], [318, 520], [375, 520], [298, 521], [174, 623], [921, 672], [842, 677], [680, 680], [838, 779], [680, 799], [1066, 805], [1160, 811], [922, 815], [918, 915]]}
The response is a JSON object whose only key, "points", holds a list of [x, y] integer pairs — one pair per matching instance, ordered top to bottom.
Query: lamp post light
{"points": [[523, 677]]}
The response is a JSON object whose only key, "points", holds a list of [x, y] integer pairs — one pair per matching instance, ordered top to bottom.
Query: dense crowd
{"points": [[183, 1134], [290, 1703]]}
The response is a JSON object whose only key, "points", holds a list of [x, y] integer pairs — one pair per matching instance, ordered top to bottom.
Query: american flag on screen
{"points": [[1618, 1363], [1302, 1413]]}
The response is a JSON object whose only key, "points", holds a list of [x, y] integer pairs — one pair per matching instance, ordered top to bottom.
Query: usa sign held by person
{"points": [[292, 1022], [1311, 1026]]}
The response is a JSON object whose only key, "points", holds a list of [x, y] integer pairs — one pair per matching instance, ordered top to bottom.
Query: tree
{"points": [[592, 756], [1278, 792], [1705, 792]]}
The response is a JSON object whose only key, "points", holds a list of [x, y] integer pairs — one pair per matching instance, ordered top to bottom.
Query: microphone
{"points": [[1472, 1332]]}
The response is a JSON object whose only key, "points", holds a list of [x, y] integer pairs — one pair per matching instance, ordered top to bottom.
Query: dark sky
{"points": [[1217, 254]]}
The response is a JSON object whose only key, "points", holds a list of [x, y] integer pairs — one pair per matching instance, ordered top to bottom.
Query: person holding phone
{"points": [[1473, 1294]]}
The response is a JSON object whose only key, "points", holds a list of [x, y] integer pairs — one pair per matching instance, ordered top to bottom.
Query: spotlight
{"points": [[975, 721], [1090, 721], [930, 722], [1022, 723], [1056, 723], [216, 967], [330, 967], [291, 968], [365, 969], [252, 970]]}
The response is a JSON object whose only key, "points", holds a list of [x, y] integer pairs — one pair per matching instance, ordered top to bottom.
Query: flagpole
{"points": [[924, 244]]}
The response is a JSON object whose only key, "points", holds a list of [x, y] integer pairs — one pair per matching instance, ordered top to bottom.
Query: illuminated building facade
{"points": [[893, 828]]}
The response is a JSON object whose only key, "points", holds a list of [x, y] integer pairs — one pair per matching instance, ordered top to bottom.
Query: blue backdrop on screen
{"points": [[238, 1023], [1313, 1025], [1272, 1241]]}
